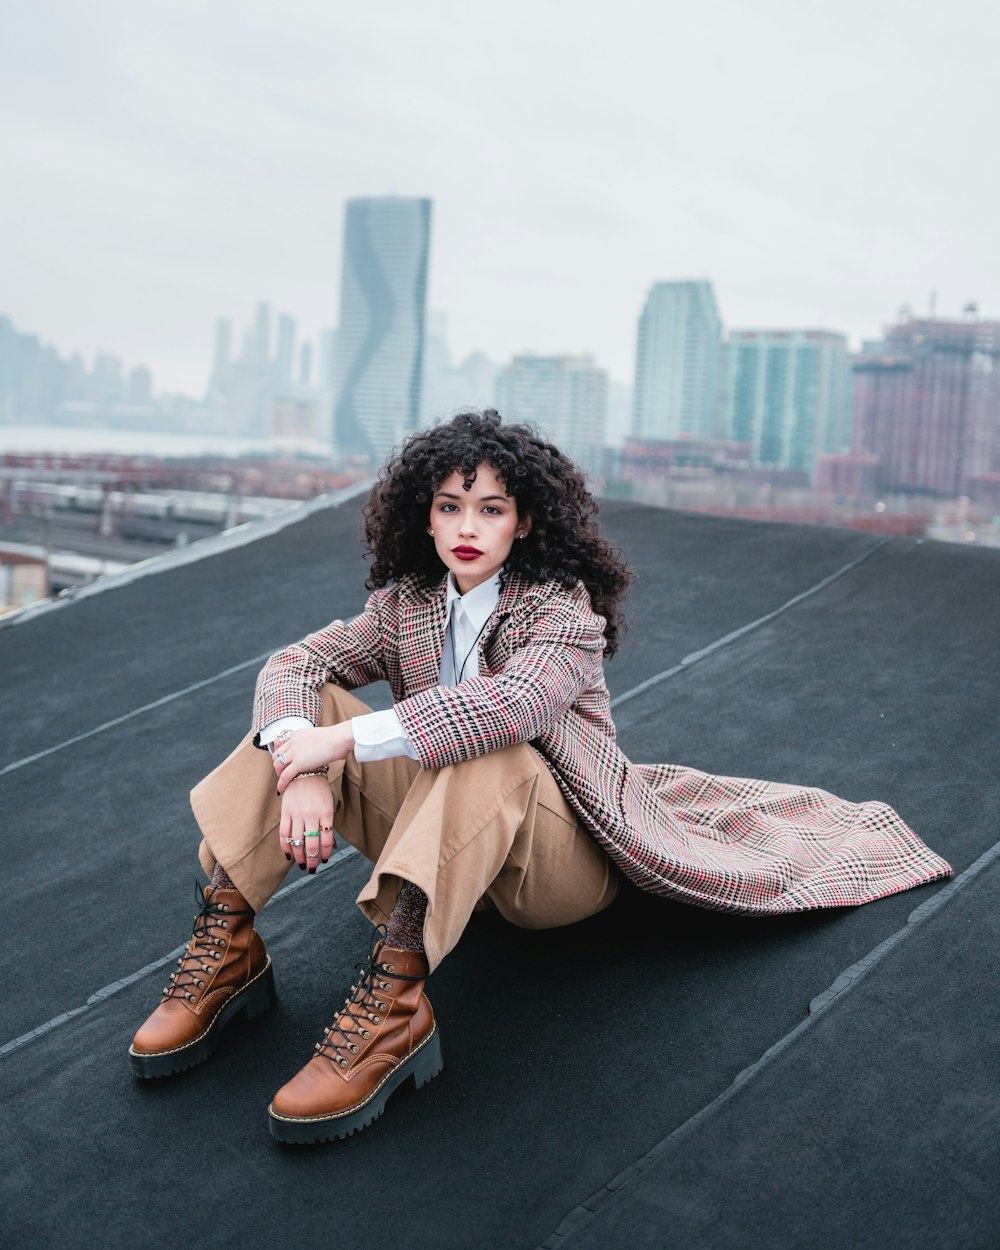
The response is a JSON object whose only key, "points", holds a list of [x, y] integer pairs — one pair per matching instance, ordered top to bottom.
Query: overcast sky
{"points": [[166, 163]]}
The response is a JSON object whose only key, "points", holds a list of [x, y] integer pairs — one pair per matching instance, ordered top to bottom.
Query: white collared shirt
{"points": [[380, 735]]}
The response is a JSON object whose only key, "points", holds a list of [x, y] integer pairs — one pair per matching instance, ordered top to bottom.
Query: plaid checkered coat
{"points": [[721, 842]]}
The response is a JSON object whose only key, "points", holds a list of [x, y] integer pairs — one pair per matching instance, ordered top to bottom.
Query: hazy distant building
{"points": [[380, 339], [260, 343], [285, 354], [222, 357], [677, 362], [305, 365], [108, 379], [140, 386], [451, 388], [787, 394], [566, 397], [927, 405], [296, 421]]}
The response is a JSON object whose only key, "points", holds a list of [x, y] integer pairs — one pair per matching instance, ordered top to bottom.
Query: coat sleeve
{"points": [[346, 653], [559, 656]]}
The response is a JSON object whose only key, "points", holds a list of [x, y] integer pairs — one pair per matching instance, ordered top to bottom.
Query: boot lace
{"points": [[202, 955], [364, 1005]]}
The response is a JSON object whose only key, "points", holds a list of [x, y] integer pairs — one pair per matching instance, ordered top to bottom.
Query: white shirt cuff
{"points": [[270, 732], [380, 736]]}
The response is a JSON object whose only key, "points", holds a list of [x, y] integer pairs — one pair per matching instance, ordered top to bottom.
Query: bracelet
{"points": [[322, 771]]}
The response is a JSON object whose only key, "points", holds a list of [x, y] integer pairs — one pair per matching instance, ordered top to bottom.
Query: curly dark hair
{"points": [[564, 544]]}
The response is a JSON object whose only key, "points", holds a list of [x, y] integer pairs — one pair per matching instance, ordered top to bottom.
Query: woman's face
{"points": [[474, 530]]}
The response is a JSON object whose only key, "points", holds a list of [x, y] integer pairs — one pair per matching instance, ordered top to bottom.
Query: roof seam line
{"points": [[697, 656], [138, 711], [842, 984], [115, 987]]}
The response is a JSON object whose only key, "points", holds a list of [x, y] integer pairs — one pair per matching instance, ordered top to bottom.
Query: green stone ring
{"points": [[311, 834]]}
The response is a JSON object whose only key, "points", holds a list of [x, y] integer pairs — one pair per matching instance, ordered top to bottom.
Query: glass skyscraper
{"points": [[380, 340], [677, 363], [788, 394]]}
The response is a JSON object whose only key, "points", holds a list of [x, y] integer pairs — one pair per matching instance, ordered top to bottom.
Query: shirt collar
{"points": [[478, 604]]}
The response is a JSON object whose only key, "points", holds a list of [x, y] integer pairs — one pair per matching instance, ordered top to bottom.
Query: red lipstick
{"points": [[466, 553]]}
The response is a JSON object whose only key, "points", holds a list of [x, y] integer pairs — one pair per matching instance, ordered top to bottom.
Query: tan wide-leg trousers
{"points": [[495, 828]]}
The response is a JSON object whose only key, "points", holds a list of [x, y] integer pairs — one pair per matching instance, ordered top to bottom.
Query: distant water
{"points": [[73, 440]]}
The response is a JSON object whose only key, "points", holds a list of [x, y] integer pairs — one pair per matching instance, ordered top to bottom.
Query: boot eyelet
{"points": [[224, 907], [223, 924], [216, 955], [390, 968], [201, 985], [189, 997], [380, 1006], [374, 1019], [366, 1034], [354, 1049], [342, 1062]]}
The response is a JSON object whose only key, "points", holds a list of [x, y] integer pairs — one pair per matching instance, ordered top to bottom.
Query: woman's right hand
{"points": [[307, 805]]}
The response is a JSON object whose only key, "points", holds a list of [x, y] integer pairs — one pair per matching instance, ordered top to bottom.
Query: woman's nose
{"points": [[469, 523]]}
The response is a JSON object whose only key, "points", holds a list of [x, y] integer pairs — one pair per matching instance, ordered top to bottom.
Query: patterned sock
{"points": [[221, 879], [406, 924]]}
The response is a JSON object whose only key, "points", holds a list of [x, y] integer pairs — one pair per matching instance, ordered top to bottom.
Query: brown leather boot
{"points": [[224, 970], [384, 1035]]}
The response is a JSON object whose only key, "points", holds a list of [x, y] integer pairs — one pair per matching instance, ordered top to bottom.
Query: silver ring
{"points": [[280, 758], [296, 842], [312, 854]]}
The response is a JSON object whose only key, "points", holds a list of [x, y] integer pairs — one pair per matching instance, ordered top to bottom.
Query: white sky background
{"points": [[163, 164]]}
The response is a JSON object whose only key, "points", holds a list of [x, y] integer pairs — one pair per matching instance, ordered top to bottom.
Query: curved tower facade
{"points": [[380, 340]]}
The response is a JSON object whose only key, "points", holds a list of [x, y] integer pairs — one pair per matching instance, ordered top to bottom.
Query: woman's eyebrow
{"points": [[445, 494]]}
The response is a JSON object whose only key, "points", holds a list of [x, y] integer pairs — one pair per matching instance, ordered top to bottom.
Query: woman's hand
{"points": [[307, 749], [306, 802], [306, 808]]}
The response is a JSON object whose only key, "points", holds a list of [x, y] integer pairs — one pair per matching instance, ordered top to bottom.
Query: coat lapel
{"points": [[421, 635], [495, 646]]}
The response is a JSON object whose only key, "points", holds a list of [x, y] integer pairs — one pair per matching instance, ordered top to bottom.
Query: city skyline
{"points": [[818, 166]]}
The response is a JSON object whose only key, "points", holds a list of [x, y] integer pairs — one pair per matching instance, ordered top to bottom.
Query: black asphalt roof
{"points": [[659, 1076]]}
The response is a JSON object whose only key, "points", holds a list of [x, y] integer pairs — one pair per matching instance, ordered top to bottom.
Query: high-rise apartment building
{"points": [[380, 339], [677, 363], [787, 394], [565, 397], [927, 404]]}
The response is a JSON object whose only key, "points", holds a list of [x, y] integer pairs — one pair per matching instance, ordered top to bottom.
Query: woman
{"points": [[493, 781]]}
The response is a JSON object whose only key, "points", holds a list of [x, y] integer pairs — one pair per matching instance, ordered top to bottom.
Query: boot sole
{"points": [[256, 997], [422, 1064]]}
